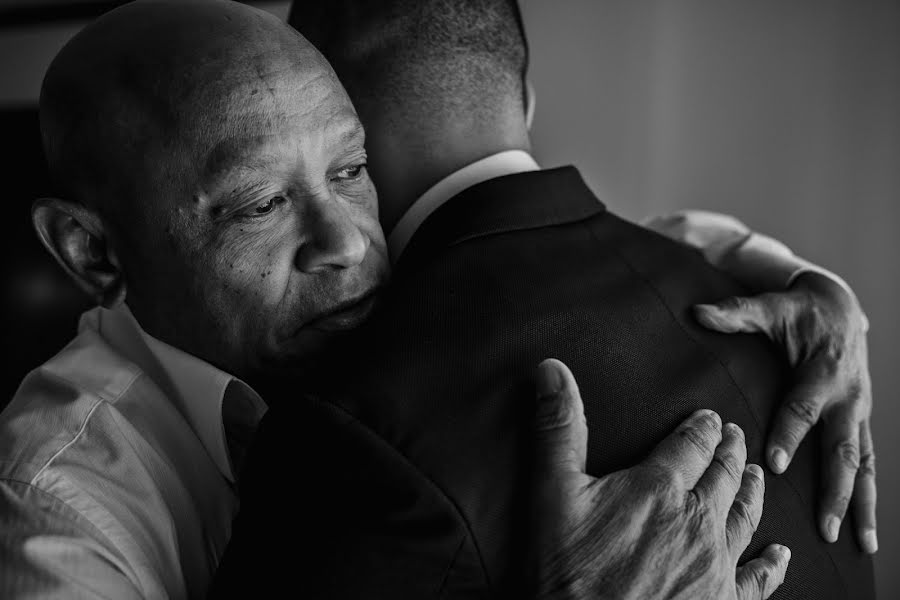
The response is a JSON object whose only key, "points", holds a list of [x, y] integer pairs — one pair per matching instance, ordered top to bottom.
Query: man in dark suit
{"points": [[507, 264]]}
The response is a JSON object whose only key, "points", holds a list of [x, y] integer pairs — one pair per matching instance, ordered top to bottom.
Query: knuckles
{"points": [[827, 297], [735, 303], [857, 395], [805, 409], [701, 436], [847, 452], [729, 464], [867, 465], [660, 484], [840, 503], [744, 515], [701, 527], [760, 578]]}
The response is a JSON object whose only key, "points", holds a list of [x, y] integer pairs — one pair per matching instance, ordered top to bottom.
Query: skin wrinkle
{"points": [[265, 81], [229, 149], [201, 269], [656, 509]]}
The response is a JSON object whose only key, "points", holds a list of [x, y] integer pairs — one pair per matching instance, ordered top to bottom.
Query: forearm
{"points": [[760, 262], [45, 552]]}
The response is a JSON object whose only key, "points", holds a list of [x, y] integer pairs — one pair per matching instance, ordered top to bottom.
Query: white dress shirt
{"points": [[758, 261], [115, 474]]}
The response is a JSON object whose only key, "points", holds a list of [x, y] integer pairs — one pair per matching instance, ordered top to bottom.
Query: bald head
{"points": [[147, 82], [213, 176]]}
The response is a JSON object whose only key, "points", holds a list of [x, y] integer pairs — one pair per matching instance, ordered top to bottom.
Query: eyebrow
{"points": [[352, 133], [248, 152], [238, 153]]}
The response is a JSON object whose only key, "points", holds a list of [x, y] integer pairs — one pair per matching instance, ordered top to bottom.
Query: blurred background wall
{"points": [[785, 113]]}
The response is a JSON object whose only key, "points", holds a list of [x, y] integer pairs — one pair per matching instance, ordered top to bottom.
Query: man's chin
{"points": [[314, 336], [305, 346]]}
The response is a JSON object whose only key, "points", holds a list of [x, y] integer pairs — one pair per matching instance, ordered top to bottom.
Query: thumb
{"points": [[737, 314], [560, 426], [759, 578]]}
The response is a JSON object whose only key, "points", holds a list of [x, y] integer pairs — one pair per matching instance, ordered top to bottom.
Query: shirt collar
{"points": [[508, 162], [197, 388]]}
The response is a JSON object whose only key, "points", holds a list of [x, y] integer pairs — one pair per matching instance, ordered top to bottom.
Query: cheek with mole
{"points": [[258, 271]]}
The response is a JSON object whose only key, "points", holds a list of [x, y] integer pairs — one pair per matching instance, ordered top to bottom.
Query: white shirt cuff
{"points": [[756, 260]]}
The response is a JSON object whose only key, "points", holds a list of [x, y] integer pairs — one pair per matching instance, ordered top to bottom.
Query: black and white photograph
{"points": [[450, 299]]}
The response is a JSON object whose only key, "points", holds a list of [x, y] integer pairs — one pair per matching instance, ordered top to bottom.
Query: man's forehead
{"points": [[271, 86], [254, 148]]}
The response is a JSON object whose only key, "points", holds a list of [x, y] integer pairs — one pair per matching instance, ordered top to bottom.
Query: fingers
{"points": [[737, 314], [798, 413], [560, 427], [688, 451], [840, 452], [719, 485], [864, 496], [743, 518], [759, 578]]}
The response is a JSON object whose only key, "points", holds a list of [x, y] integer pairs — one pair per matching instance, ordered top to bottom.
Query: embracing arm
{"points": [[760, 262], [817, 319], [48, 551]]}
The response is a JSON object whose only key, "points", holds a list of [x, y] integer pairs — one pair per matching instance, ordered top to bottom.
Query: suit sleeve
{"points": [[330, 510]]}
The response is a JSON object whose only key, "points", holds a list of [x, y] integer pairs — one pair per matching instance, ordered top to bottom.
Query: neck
{"points": [[406, 161]]}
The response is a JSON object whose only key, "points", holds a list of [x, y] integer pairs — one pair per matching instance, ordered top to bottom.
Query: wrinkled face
{"points": [[269, 243]]}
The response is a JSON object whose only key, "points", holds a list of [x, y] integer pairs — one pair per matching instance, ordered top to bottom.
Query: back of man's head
{"points": [[450, 55], [437, 83]]}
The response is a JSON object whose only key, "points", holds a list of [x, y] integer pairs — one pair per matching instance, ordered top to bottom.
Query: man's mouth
{"points": [[346, 315]]}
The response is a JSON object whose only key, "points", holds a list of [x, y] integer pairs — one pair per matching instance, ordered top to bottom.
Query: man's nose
{"points": [[333, 240]]}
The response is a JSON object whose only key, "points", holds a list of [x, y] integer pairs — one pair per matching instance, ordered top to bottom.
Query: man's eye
{"points": [[351, 172], [267, 205]]}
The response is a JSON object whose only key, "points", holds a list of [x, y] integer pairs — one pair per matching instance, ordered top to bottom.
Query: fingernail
{"points": [[710, 312], [549, 379], [712, 415], [734, 429], [779, 460], [755, 470], [832, 526], [870, 541], [785, 552]]}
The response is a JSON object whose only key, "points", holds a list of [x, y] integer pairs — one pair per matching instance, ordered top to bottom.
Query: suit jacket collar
{"points": [[496, 165], [510, 203]]}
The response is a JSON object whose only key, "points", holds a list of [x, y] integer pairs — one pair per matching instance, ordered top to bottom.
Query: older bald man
{"points": [[217, 207]]}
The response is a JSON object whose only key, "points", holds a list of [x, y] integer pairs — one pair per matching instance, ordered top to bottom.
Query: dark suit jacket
{"points": [[411, 460]]}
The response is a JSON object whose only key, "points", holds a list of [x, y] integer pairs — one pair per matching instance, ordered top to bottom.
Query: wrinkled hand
{"points": [[823, 330], [672, 527]]}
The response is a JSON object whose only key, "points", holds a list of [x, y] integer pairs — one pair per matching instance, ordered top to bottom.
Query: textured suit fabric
{"points": [[414, 445]]}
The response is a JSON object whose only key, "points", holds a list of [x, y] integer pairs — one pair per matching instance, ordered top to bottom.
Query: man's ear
{"points": [[530, 103], [78, 240]]}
